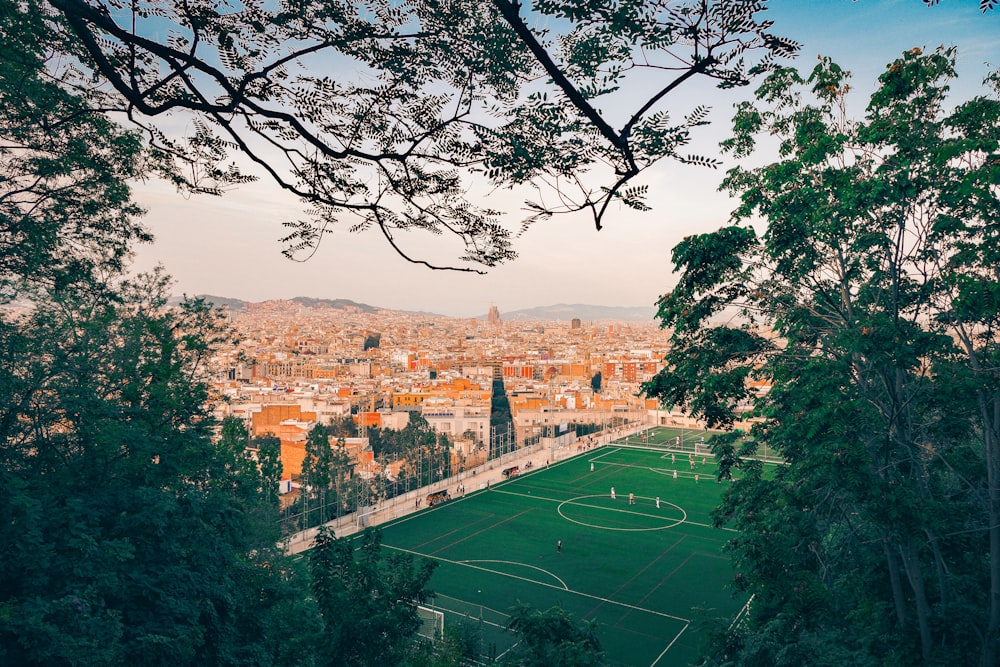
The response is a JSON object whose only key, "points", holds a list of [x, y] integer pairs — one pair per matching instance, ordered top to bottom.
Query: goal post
{"points": [[431, 623]]}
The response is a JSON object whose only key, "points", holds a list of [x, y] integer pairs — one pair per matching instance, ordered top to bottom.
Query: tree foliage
{"points": [[438, 92], [66, 213], [868, 303], [372, 341], [427, 454], [128, 535], [368, 603], [552, 638]]}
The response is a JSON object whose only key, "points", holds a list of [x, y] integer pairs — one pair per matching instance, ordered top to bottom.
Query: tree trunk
{"points": [[991, 420], [941, 568], [914, 573], [897, 584]]}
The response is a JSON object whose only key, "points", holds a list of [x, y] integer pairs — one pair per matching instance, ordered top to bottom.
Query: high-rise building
{"points": [[574, 323]]}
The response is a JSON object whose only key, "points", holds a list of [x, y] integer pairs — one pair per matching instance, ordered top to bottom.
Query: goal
{"points": [[431, 623]]}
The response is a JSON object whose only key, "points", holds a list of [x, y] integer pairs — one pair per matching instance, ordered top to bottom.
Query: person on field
{"points": [[613, 493]]}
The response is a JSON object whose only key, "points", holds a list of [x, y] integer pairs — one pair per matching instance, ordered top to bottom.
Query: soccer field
{"points": [[647, 575]]}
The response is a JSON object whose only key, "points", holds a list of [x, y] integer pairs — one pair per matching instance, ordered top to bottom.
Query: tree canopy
{"points": [[427, 95], [66, 213], [869, 304], [131, 532], [368, 603], [552, 638]]}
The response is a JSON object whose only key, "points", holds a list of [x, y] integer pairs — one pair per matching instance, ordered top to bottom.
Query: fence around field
{"points": [[548, 450]]}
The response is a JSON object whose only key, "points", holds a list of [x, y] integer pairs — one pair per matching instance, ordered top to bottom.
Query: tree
{"points": [[444, 91], [66, 213], [870, 304], [372, 341], [595, 382], [501, 422], [345, 427], [269, 462], [254, 466], [326, 475], [128, 535], [368, 604], [553, 639]]}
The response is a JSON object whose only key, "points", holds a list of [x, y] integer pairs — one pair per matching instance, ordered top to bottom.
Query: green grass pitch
{"points": [[647, 575]]}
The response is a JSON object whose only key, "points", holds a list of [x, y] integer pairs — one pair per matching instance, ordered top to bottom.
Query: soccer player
{"points": [[613, 493], [631, 499], [657, 502]]}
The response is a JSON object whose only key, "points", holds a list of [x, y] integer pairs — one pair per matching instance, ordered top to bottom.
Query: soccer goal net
{"points": [[431, 623]]}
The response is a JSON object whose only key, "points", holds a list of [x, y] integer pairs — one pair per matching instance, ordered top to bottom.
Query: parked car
{"points": [[437, 497]]}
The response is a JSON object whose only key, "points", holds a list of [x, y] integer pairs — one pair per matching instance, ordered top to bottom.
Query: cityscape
{"points": [[297, 365], [757, 425]]}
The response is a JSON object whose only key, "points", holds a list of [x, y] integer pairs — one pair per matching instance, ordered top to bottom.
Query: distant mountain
{"points": [[220, 301], [309, 302], [339, 304], [567, 311], [561, 312]]}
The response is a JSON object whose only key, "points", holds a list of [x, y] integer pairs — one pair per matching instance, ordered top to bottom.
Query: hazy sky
{"points": [[229, 246]]}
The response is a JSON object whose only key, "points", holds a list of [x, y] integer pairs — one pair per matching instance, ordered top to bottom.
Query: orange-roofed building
{"points": [[270, 417], [369, 420]]}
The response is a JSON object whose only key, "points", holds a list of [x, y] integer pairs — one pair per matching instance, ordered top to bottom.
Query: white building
{"points": [[445, 417]]}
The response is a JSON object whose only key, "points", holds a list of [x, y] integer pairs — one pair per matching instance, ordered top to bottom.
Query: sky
{"points": [[228, 246]]}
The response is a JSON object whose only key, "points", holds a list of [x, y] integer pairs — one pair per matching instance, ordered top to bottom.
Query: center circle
{"points": [[575, 502]]}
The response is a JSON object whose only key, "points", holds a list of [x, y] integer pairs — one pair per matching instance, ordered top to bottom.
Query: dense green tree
{"points": [[446, 91], [65, 212], [870, 303], [595, 382], [501, 422], [345, 427], [268, 449], [234, 451], [427, 454], [254, 466], [326, 479], [128, 535], [368, 602], [553, 638]]}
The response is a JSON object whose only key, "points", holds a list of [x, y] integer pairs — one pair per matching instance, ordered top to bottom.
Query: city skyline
{"points": [[229, 246]]}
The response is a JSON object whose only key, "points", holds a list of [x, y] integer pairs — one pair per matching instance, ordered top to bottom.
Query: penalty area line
{"points": [[542, 583], [672, 642]]}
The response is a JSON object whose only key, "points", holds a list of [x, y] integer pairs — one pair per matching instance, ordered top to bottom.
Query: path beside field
{"points": [[473, 480]]}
